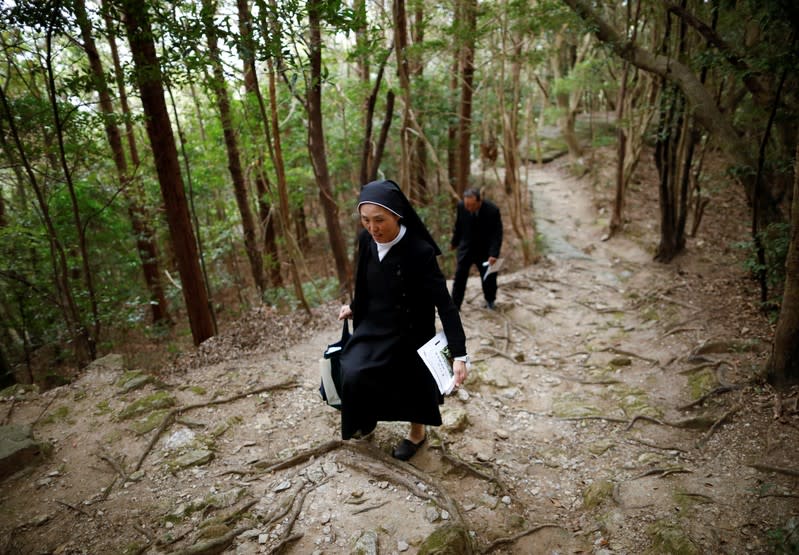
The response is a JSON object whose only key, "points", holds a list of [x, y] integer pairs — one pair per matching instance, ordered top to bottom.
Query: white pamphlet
{"points": [[495, 267], [435, 354]]}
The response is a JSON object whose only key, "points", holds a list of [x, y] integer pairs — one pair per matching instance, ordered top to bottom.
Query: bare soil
{"points": [[583, 427]]}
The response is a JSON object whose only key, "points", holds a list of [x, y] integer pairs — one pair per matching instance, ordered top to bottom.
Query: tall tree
{"points": [[247, 53], [466, 72], [219, 87], [59, 125], [162, 142], [316, 145], [131, 189], [782, 367]]}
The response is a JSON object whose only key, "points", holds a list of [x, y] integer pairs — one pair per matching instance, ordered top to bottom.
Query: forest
{"points": [[168, 165]]}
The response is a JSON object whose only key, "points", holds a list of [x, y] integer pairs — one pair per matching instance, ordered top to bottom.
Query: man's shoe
{"points": [[490, 305], [407, 449]]}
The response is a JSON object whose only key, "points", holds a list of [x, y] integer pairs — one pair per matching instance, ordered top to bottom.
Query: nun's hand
{"points": [[345, 312], [459, 369]]}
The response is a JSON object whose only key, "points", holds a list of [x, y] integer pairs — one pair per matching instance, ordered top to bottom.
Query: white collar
{"points": [[383, 248]]}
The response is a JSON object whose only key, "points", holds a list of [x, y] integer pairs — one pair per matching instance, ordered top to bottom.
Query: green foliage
{"points": [[775, 240], [784, 540]]}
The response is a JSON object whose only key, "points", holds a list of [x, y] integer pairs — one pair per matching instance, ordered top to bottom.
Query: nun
{"points": [[398, 288]]}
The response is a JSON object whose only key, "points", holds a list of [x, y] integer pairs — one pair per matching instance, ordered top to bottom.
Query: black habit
{"points": [[383, 377]]}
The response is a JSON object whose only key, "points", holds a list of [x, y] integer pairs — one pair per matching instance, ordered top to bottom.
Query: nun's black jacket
{"points": [[384, 377]]}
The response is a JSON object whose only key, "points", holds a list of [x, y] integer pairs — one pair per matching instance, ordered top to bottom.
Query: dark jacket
{"points": [[478, 236], [418, 287]]}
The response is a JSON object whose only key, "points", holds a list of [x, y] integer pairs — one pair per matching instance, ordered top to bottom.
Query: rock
{"points": [[621, 361], [104, 369], [131, 381], [463, 395], [454, 419], [501, 434], [179, 438], [18, 449], [195, 457], [282, 486], [506, 499], [489, 501], [431, 514], [449, 539], [366, 544], [402, 546]]}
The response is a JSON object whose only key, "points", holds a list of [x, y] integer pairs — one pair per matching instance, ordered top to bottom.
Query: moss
{"points": [[701, 382], [18, 390], [197, 390], [158, 400], [632, 400], [571, 405], [103, 407], [58, 415], [149, 422], [595, 494], [668, 537], [449, 539]]}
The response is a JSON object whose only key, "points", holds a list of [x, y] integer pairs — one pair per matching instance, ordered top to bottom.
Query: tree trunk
{"points": [[403, 73], [218, 85], [467, 90], [703, 105], [162, 142], [316, 148], [418, 163], [261, 183], [145, 243], [88, 274], [76, 329], [782, 368]]}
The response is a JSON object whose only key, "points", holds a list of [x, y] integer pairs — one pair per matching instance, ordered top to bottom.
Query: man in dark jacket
{"points": [[478, 238]]}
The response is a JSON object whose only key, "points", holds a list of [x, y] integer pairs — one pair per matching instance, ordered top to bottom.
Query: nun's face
{"points": [[381, 224]]}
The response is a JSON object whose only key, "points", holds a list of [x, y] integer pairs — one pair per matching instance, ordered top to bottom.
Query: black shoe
{"points": [[490, 305], [407, 449]]}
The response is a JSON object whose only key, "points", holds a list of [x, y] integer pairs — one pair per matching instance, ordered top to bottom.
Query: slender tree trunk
{"points": [[403, 74], [219, 87], [252, 90], [467, 90], [704, 106], [162, 141], [316, 148], [418, 162], [282, 187], [146, 248], [88, 274], [69, 308], [782, 368]]}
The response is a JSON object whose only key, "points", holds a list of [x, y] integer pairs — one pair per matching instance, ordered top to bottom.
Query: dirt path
{"points": [[567, 437]]}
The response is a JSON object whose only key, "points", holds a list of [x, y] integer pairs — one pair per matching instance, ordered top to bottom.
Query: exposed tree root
{"points": [[679, 330], [497, 352], [629, 354], [717, 391], [170, 417], [592, 417], [7, 418], [717, 424], [654, 446], [458, 462], [267, 466], [778, 469], [663, 472], [74, 508], [370, 508], [288, 537], [284, 542], [499, 542], [212, 546]]}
